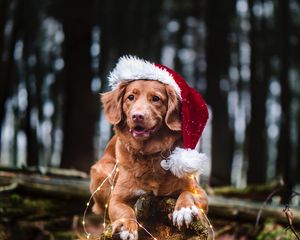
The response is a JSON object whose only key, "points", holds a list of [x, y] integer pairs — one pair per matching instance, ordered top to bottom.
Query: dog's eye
{"points": [[130, 97], [155, 98]]}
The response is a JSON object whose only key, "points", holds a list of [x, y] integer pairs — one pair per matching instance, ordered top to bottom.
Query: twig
{"points": [[264, 204], [286, 210], [289, 217]]}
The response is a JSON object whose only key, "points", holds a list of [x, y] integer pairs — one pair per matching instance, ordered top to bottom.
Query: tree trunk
{"points": [[3, 11], [31, 24], [218, 24], [139, 38], [8, 73], [80, 105], [256, 130], [284, 144], [298, 147]]}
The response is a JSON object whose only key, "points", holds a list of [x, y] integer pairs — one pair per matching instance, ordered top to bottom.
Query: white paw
{"points": [[185, 215], [126, 235]]}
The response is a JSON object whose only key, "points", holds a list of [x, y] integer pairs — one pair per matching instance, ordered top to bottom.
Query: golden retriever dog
{"points": [[147, 123]]}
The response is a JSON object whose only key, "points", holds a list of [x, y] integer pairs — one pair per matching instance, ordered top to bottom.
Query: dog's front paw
{"points": [[185, 215], [127, 229], [128, 235]]}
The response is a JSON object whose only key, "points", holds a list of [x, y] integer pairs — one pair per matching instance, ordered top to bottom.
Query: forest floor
{"points": [[51, 207]]}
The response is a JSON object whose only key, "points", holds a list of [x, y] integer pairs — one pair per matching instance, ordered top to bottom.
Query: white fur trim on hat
{"points": [[133, 68], [184, 162]]}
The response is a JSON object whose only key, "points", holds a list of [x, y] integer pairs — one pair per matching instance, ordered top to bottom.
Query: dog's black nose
{"points": [[138, 117]]}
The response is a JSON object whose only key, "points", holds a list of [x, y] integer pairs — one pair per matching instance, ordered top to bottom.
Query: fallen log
{"points": [[64, 186], [76, 189], [253, 192], [44, 197], [150, 209], [246, 210]]}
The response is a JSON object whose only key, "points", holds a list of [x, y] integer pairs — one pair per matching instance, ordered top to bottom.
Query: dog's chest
{"points": [[144, 173], [149, 177]]}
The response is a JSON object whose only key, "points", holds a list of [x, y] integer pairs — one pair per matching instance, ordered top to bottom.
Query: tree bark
{"points": [[3, 10], [31, 24], [139, 38], [217, 52], [6, 66], [8, 73], [3, 81], [80, 104], [256, 129], [284, 145], [298, 147]]}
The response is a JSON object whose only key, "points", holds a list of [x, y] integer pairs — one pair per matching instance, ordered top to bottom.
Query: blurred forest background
{"points": [[243, 56]]}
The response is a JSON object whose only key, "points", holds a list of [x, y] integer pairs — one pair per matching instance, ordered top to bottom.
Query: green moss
{"points": [[15, 199], [167, 205], [39, 208], [35, 216], [200, 229], [273, 231], [175, 237]]}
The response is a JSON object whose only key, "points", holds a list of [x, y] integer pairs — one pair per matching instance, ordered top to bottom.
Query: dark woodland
{"points": [[243, 56]]}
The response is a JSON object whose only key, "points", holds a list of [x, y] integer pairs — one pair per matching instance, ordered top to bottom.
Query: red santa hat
{"points": [[185, 160]]}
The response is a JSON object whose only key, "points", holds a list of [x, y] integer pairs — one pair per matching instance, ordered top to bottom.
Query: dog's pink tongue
{"points": [[140, 133]]}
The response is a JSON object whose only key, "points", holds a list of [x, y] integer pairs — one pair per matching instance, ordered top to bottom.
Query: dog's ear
{"points": [[112, 104], [173, 117]]}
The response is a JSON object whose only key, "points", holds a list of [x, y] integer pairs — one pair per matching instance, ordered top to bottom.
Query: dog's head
{"points": [[143, 107]]}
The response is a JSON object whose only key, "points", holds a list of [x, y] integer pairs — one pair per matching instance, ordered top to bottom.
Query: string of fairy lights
{"points": [[113, 172], [111, 177]]}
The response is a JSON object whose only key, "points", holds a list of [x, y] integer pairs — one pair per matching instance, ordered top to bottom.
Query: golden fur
{"points": [[155, 108]]}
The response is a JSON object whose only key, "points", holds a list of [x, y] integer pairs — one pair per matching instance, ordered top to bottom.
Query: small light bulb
{"points": [[88, 203], [106, 205], [83, 222]]}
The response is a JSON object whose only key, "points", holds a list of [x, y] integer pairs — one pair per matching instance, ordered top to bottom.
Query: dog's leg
{"points": [[98, 173], [188, 205], [123, 219]]}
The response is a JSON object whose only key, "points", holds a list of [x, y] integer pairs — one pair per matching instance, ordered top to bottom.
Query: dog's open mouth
{"points": [[141, 132]]}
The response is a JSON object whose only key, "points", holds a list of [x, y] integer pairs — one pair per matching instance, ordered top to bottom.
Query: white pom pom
{"points": [[184, 162]]}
